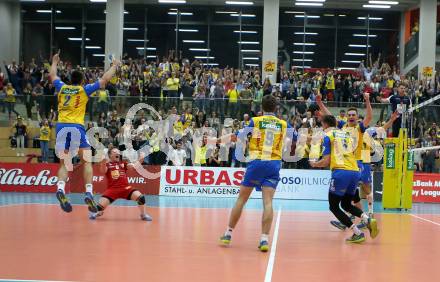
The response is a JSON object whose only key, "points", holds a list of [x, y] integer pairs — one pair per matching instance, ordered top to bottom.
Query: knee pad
{"points": [[141, 200]]}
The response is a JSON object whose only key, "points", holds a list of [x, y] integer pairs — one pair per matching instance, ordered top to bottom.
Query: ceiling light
{"points": [[32, 0], [98, 1], [172, 1], [322, 1], [384, 2], [239, 3], [308, 4], [377, 6], [48, 11], [125, 12], [225, 12], [293, 12], [181, 13], [244, 15], [329, 15], [342, 15], [307, 16], [370, 18], [65, 27], [131, 28], [187, 30], [245, 31], [306, 33], [364, 35], [77, 39], [137, 40], [193, 41], [248, 42], [304, 44], [358, 45], [93, 47], [147, 48], [200, 49], [250, 51], [305, 52], [354, 54], [98, 55], [151, 56], [204, 57], [251, 58], [300, 60], [352, 62], [252, 65], [300, 67], [343, 68]]}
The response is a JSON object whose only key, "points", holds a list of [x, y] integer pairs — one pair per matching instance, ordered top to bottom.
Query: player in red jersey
{"points": [[118, 187]]}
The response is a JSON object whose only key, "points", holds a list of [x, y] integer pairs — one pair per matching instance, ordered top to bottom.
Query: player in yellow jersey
{"points": [[72, 101], [338, 154], [263, 171]]}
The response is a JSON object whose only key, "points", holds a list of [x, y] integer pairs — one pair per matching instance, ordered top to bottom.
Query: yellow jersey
{"points": [[10, 95], [233, 95], [72, 101], [44, 133], [357, 135], [267, 139], [339, 145]]}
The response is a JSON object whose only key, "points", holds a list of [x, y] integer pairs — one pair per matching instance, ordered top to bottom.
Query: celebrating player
{"points": [[72, 101], [338, 153], [263, 172], [118, 188]]}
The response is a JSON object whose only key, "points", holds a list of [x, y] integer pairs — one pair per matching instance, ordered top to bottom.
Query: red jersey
{"points": [[117, 175]]}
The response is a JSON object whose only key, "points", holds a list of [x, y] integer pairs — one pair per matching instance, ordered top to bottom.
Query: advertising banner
{"points": [[22, 177], [225, 182], [426, 187]]}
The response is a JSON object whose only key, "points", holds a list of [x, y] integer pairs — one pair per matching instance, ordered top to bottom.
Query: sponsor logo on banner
{"points": [[390, 155], [21, 177], [225, 182], [426, 187]]}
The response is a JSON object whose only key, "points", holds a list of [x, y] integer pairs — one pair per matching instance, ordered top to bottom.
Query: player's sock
{"points": [[61, 185], [89, 188], [370, 203], [355, 230], [229, 231], [264, 237]]}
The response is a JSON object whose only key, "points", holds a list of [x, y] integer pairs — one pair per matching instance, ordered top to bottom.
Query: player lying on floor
{"points": [[118, 188]]}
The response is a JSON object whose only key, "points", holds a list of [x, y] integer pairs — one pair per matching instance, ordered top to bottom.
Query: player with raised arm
{"points": [[70, 132], [338, 153], [263, 171], [118, 187]]}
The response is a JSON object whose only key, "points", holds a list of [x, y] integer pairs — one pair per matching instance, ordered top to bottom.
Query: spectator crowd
{"points": [[198, 96]]}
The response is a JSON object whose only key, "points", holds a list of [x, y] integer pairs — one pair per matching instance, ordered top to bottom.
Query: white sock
{"points": [[61, 185], [89, 188], [370, 203], [364, 217], [356, 230], [229, 231], [264, 237]]}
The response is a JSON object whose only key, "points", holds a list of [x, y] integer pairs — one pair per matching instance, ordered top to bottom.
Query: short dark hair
{"points": [[76, 77], [269, 103], [352, 109], [342, 111], [329, 120]]}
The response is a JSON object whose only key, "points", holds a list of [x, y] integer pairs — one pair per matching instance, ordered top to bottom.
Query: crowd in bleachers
{"points": [[222, 98]]}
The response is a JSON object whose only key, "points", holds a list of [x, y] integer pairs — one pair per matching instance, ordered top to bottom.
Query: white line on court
{"points": [[427, 220], [273, 250], [19, 280]]}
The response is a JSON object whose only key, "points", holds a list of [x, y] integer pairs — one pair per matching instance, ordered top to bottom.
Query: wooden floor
{"points": [[39, 242]]}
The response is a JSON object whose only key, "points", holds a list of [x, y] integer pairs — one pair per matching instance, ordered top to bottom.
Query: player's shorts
{"points": [[79, 136], [365, 169], [262, 173], [344, 182], [113, 194]]}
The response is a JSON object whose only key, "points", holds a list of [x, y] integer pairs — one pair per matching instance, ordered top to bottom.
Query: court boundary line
{"points": [[424, 219], [271, 262], [24, 280]]}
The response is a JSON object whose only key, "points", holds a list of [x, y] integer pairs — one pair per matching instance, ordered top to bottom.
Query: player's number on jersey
{"points": [[68, 99]]}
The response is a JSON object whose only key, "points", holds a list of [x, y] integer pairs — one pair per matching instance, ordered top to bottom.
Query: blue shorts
{"points": [[79, 138], [365, 169], [262, 173], [344, 182]]}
